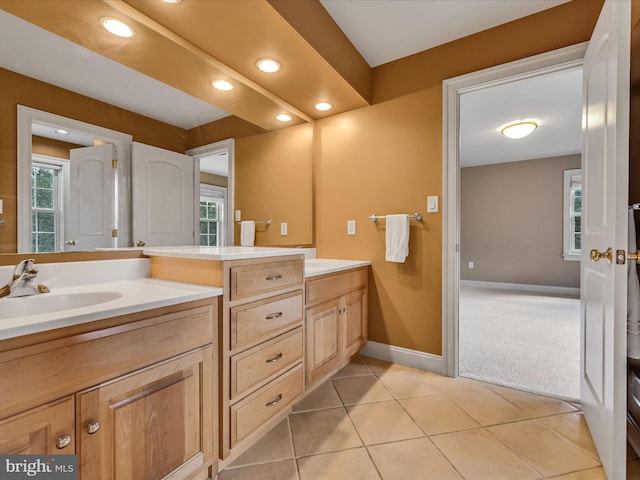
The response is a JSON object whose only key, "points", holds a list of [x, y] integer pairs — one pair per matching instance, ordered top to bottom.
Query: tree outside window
{"points": [[45, 210], [212, 211], [572, 214]]}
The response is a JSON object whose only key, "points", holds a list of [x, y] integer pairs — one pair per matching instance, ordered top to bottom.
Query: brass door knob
{"points": [[597, 255]]}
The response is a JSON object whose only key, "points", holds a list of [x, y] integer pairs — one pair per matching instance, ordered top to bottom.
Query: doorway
{"points": [[453, 90]]}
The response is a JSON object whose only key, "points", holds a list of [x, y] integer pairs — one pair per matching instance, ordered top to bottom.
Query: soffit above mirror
{"points": [[181, 45]]}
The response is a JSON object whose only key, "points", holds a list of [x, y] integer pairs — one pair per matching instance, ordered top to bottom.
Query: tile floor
{"points": [[376, 420]]}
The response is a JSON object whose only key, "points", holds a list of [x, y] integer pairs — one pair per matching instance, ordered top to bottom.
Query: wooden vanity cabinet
{"points": [[336, 321], [133, 396]]}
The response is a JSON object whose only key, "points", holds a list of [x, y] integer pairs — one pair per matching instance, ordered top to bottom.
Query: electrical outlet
{"points": [[351, 227], [283, 229], [470, 264]]}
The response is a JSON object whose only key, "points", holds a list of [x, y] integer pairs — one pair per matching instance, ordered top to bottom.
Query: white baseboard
{"points": [[550, 289], [403, 356]]}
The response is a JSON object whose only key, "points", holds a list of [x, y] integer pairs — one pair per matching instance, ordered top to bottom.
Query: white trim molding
{"points": [[452, 89], [524, 287], [403, 356]]}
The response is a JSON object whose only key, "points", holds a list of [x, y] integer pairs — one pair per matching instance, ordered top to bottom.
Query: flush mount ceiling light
{"points": [[171, 1], [117, 27], [268, 65], [223, 85], [323, 106], [283, 117], [520, 129], [60, 131]]}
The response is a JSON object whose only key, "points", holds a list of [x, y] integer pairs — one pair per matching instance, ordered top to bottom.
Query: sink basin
{"points": [[51, 302]]}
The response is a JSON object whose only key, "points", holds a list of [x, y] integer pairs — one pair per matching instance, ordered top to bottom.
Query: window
{"points": [[46, 204], [212, 209], [572, 214]]}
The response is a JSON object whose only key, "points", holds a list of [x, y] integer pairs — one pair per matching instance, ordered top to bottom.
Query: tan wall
{"points": [[20, 90], [51, 148], [387, 158], [211, 179], [273, 180], [511, 223]]}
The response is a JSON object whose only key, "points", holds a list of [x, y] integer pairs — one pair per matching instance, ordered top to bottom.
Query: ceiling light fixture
{"points": [[171, 1], [117, 27], [268, 65], [223, 85], [323, 106], [283, 117], [519, 129], [60, 131]]}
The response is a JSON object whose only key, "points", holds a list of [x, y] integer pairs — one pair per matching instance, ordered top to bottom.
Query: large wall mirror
{"points": [[278, 161]]}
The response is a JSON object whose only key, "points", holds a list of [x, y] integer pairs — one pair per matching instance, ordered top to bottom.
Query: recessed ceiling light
{"points": [[171, 1], [117, 27], [268, 65], [223, 85], [323, 106], [283, 117], [519, 129], [60, 131]]}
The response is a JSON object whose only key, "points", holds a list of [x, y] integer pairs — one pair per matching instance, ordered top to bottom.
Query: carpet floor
{"points": [[523, 340]]}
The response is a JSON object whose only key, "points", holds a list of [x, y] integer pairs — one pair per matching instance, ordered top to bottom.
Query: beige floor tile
{"points": [[380, 366], [354, 368], [408, 383], [365, 389], [325, 396], [534, 405], [486, 406], [437, 414], [383, 422], [574, 428], [322, 431], [275, 445], [547, 452], [478, 455], [412, 459], [353, 464], [283, 470], [591, 474]]}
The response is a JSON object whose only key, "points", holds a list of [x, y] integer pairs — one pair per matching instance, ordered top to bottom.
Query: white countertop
{"points": [[221, 253], [314, 267], [81, 292]]}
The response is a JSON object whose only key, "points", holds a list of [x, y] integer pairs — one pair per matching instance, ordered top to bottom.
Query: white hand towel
{"points": [[247, 233], [397, 238], [633, 296]]}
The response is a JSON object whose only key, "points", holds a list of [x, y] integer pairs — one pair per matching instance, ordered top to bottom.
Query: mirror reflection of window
{"points": [[46, 204], [212, 215]]}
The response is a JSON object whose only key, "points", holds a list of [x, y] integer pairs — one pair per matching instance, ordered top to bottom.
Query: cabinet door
{"points": [[355, 321], [323, 338], [150, 424], [48, 429]]}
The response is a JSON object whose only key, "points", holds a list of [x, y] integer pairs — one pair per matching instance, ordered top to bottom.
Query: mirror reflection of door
{"points": [[90, 219]]}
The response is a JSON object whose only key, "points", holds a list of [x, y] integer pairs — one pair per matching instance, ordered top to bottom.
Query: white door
{"points": [[163, 196], [89, 217], [603, 283]]}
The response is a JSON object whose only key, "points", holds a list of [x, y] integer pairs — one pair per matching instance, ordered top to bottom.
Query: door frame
{"points": [[452, 89], [228, 146]]}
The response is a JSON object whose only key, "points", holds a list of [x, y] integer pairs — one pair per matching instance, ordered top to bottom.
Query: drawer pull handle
{"points": [[274, 277], [273, 316], [274, 359], [274, 402], [93, 428], [63, 441]]}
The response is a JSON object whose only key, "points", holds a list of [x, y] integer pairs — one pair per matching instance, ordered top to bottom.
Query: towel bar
{"points": [[374, 217], [267, 221]]}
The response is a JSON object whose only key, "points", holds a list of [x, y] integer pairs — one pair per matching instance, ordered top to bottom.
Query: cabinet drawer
{"points": [[250, 280], [335, 285], [258, 321], [250, 368], [255, 410]]}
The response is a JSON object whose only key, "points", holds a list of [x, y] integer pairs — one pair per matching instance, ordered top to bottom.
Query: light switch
{"points": [[432, 204], [238, 215], [351, 227], [283, 229], [470, 264]]}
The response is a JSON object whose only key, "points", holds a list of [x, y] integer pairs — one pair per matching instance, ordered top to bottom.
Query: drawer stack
{"points": [[261, 346]]}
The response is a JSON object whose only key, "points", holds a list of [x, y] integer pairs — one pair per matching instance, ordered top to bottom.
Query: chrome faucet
{"points": [[24, 281]]}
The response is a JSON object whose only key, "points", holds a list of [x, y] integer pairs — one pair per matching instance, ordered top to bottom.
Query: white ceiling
{"points": [[382, 30]]}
